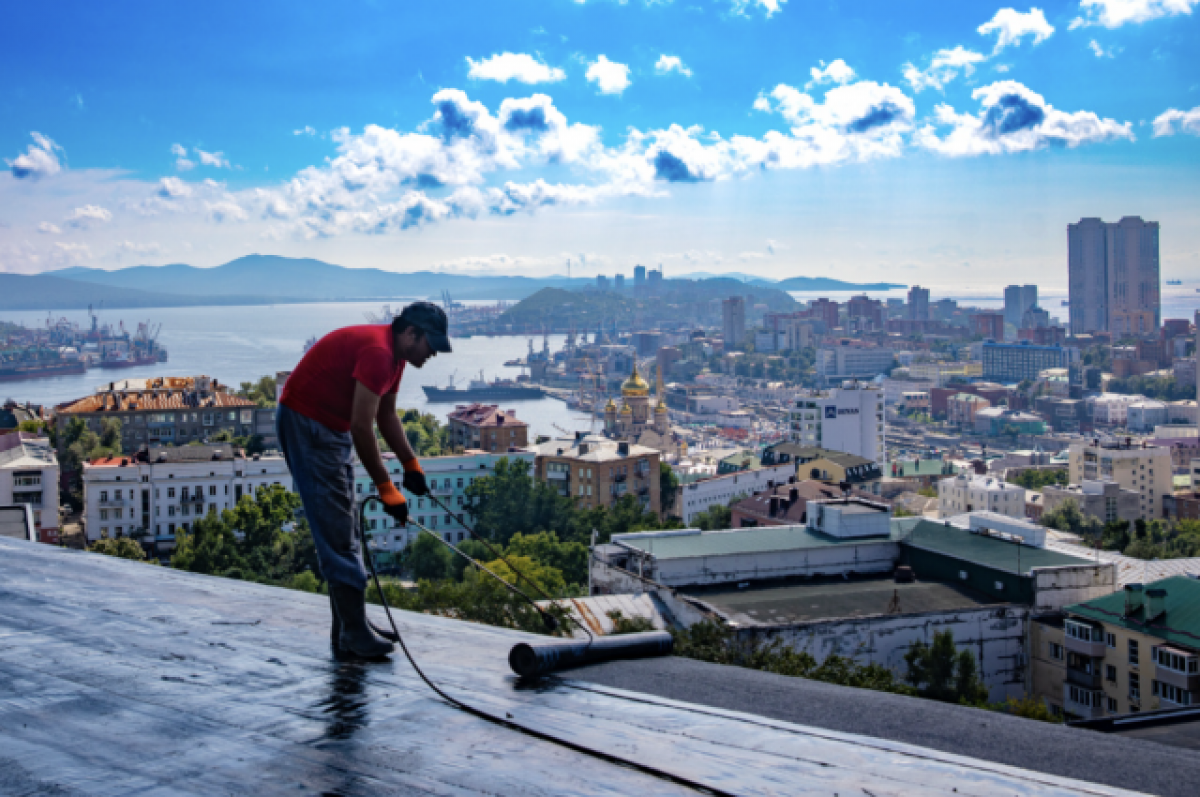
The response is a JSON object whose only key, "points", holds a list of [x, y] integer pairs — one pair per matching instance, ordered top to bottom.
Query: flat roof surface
{"points": [[763, 539], [985, 550], [836, 598], [118, 677], [1057, 750]]}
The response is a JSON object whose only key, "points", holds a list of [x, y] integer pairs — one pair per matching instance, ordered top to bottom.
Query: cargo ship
{"points": [[18, 364], [482, 390]]}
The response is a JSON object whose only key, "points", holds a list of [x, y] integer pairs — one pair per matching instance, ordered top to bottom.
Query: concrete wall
{"points": [[865, 557], [1057, 587], [680, 611], [994, 634]]}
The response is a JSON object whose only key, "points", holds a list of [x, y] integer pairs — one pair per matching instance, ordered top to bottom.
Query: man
{"points": [[342, 388]]}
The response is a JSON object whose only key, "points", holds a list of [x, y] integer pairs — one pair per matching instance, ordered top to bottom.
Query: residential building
{"points": [[1113, 274], [639, 277], [1017, 300], [918, 303], [864, 313], [733, 321], [988, 326], [853, 362], [1015, 362], [939, 374], [939, 397], [961, 408], [1111, 409], [169, 410], [13, 414], [1063, 414], [1144, 415], [847, 419], [997, 421], [487, 427], [836, 467], [1138, 467], [596, 471], [29, 476], [448, 479], [160, 491], [966, 493], [700, 496], [1104, 500], [786, 504], [1135, 650]]}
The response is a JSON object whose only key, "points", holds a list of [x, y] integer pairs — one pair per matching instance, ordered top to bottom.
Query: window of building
{"points": [[460, 481], [212, 489], [170, 492], [104, 495], [104, 514], [1110, 639], [1056, 651], [1133, 653], [1110, 673], [1135, 686], [1172, 693], [1084, 697], [1112, 705]]}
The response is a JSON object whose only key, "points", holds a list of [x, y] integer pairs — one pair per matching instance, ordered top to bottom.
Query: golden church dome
{"points": [[635, 385], [610, 406], [625, 410]]}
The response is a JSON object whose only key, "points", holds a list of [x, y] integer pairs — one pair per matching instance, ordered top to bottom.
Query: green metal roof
{"points": [[763, 539], [984, 550], [1180, 623]]}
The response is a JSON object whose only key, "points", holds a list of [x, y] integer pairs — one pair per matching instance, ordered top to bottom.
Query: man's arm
{"points": [[391, 428], [362, 430]]}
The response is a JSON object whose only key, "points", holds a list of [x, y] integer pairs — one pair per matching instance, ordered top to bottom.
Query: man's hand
{"points": [[414, 477], [393, 502]]}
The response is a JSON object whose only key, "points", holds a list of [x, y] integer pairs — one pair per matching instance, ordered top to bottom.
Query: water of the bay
{"points": [[240, 344]]}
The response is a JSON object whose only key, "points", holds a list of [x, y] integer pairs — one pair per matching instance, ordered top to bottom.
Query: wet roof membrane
{"points": [[118, 677]]}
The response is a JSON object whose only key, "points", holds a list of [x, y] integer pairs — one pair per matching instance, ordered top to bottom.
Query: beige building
{"points": [[487, 428], [1138, 467], [596, 471], [29, 476], [966, 493], [1104, 500], [1135, 650]]}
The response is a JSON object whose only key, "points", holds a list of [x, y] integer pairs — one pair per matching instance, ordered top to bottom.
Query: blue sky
{"points": [[947, 144]]}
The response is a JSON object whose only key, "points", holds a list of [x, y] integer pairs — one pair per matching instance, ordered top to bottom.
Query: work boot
{"points": [[336, 628], [356, 636]]}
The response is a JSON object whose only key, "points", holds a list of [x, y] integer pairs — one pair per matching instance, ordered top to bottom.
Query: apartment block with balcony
{"points": [[487, 427], [1145, 469], [596, 471], [29, 475], [159, 492], [1130, 651]]}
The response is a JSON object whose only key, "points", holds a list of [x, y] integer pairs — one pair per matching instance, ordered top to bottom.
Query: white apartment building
{"points": [[849, 362], [1112, 409], [1144, 415], [847, 419], [1135, 466], [29, 475], [448, 478], [160, 492], [967, 493], [699, 496]]}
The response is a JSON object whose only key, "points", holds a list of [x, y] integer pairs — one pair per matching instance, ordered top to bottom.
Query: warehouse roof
{"points": [[765, 539], [989, 551], [830, 598], [1179, 623]]}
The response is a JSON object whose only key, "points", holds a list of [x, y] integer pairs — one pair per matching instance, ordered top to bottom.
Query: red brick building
{"points": [[988, 325], [486, 427]]}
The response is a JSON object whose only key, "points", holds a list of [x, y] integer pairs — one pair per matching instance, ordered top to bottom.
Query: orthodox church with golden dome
{"points": [[637, 422]]}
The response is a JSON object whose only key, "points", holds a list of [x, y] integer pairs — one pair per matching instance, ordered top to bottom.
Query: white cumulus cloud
{"points": [[770, 7], [1115, 13], [1010, 26], [1100, 52], [671, 63], [514, 66], [943, 68], [836, 72], [609, 76], [1014, 118], [1174, 121], [307, 130], [215, 159], [40, 160], [182, 163], [173, 188], [88, 216], [48, 228]]}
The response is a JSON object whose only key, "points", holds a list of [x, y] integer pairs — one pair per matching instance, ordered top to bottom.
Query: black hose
{"points": [[501, 721]]}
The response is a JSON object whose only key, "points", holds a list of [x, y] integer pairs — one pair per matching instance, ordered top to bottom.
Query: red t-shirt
{"points": [[322, 386]]}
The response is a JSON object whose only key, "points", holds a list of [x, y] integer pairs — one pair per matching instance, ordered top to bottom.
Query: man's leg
{"points": [[320, 463]]}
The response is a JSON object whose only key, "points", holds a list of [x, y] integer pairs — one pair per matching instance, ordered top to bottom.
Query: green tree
{"points": [[261, 392], [35, 427], [1039, 478], [668, 487], [510, 501], [715, 517], [120, 547], [209, 547], [569, 558], [428, 559], [546, 580], [941, 672]]}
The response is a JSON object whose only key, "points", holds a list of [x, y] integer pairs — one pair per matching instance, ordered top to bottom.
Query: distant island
{"points": [[270, 279]]}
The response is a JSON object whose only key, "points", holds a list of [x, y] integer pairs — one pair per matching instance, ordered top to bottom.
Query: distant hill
{"points": [[312, 280], [798, 283], [20, 292]]}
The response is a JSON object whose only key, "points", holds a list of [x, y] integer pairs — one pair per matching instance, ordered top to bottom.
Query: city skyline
{"points": [[937, 148]]}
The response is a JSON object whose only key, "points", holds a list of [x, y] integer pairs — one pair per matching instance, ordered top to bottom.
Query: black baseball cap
{"points": [[431, 320]]}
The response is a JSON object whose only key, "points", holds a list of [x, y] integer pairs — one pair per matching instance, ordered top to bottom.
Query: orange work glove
{"points": [[414, 477], [393, 502]]}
